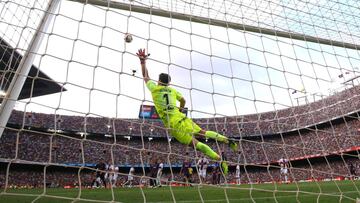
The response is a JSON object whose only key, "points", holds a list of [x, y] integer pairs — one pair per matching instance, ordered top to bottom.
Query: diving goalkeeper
{"points": [[182, 128]]}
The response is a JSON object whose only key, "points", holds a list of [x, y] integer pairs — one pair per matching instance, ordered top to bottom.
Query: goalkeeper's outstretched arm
{"points": [[142, 56], [182, 104]]}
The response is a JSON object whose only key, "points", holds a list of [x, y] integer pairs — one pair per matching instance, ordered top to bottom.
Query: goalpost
{"points": [[244, 67], [22, 71]]}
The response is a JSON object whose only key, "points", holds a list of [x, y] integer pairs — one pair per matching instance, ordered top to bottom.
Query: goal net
{"points": [[279, 78]]}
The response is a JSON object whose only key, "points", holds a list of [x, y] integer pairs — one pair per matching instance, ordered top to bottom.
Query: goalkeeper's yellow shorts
{"points": [[183, 128]]}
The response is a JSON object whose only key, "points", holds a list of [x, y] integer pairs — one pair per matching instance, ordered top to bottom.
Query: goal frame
{"points": [[22, 71]]}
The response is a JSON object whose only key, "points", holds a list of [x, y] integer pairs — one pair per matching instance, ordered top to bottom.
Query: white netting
{"points": [[278, 98]]}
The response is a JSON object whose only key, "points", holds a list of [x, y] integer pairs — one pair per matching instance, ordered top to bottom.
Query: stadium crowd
{"points": [[267, 123], [289, 133], [35, 146]]}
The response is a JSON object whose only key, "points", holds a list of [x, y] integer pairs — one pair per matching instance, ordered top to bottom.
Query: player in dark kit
{"points": [[352, 170], [186, 171], [153, 172], [216, 174], [100, 175]]}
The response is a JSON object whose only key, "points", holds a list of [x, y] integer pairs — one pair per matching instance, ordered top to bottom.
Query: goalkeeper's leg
{"points": [[187, 125], [184, 130], [216, 136], [210, 153]]}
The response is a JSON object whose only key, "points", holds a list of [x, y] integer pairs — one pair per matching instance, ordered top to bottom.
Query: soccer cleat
{"points": [[233, 145], [224, 167]]}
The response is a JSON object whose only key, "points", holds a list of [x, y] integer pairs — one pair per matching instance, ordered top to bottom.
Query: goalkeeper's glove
{"points": [[142, 56]]}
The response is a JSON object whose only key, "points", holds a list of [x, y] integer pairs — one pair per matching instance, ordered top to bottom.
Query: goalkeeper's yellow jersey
{"points": [[164, 98]]}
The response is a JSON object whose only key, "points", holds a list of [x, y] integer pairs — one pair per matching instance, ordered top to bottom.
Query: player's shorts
{"points": [[183, 128], [284, 171], [202, 172], [100, 175], [187, 175], [114, 177], [130, 178]]}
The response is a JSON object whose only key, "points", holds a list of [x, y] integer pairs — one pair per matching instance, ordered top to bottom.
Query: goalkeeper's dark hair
{"points": [[164, 78]]}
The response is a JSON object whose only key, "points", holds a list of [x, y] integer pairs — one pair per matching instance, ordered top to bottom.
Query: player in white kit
{"points": [[202, 165], [284, 165], [159, 173], [107, 174], [113, 175], [237, 175], [130, 177]]}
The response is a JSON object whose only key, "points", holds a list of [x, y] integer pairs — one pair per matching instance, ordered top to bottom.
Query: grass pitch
{"points": [[334, 191]]}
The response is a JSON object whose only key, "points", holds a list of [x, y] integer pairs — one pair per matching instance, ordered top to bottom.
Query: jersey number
{"points": [[166, 96], [168, 107]]}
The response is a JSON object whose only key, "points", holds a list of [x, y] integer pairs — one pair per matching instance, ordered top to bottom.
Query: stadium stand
{"points": [[329, 140]]}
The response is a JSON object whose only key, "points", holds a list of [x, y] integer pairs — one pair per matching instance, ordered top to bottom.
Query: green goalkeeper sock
{"points": [[216, 136], [207, 150]]}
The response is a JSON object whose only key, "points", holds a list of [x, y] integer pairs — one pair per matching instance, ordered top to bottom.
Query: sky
{"points": [[219, 71]]}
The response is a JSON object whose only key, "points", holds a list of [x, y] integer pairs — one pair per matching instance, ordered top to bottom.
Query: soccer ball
{"points": [[128, 38]]}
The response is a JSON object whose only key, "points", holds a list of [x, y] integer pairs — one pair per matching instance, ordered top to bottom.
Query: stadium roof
{"points": [[37, 83]]}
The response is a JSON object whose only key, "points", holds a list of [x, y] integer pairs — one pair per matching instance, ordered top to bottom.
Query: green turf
{"points": [[335, 191]]}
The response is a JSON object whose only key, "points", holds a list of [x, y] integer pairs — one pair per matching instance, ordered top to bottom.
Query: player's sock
{"points": [[216, 136], [233, 145], [207, 150], [225, 168]]}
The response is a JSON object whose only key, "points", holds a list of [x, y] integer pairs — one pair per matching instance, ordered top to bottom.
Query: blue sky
{"points": [[219, 71]]}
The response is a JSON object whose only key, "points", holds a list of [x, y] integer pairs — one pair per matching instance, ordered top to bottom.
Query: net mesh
{"points": [[291, 105]]}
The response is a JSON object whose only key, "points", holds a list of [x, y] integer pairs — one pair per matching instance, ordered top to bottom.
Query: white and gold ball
{"points": [[128, 38]]}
